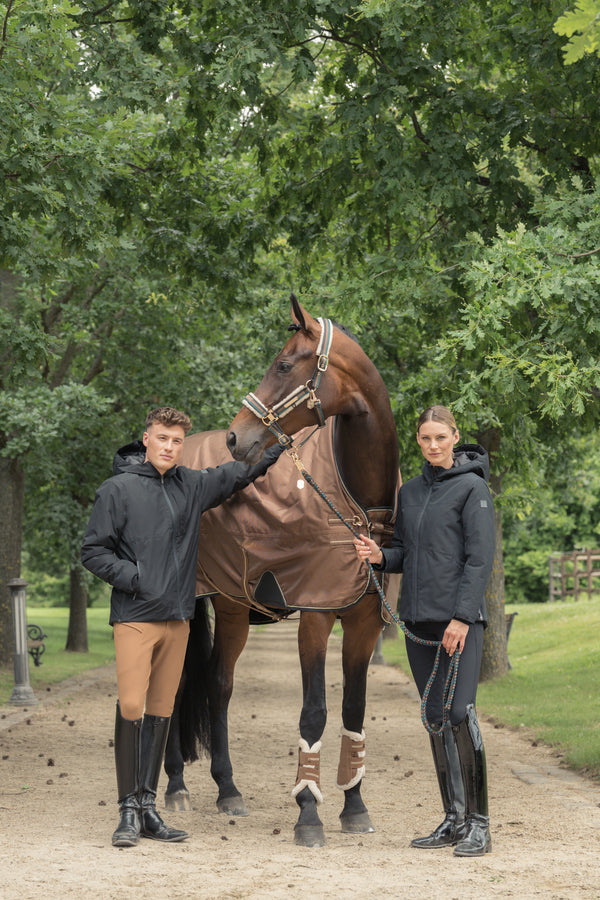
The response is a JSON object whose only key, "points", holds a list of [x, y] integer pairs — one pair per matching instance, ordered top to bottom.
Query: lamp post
{"points": [[22, 694]]}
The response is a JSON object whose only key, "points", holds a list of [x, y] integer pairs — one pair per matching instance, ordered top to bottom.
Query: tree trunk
{"points": [[12, 491], [77, 637], [495, 656]]}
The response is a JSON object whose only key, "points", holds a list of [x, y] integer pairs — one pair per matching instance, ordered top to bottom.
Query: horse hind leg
{"points": [[231, 633], [190, 709], [177, 796]]}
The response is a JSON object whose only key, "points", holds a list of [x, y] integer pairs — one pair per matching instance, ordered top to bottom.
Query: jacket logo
{"points": [[483, 503]]}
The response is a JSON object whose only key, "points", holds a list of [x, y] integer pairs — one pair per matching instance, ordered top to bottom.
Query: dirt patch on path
{"points": [[58, 809]]}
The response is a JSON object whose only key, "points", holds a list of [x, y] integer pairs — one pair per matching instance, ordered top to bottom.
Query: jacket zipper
{"points": [[418, 541], [174, 544]]}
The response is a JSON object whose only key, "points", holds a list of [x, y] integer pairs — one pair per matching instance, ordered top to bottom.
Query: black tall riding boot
{"points": [[154, 738], [471, 753], [127, 762], [447, 768]]}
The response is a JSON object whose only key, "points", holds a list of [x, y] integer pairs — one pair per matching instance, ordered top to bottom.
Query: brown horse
{"points": [[320, 373]]}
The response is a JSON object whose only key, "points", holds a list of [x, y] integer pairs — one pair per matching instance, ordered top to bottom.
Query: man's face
{"points": [[163, 445]]}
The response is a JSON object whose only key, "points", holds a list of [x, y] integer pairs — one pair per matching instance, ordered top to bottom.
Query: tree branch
{"points": [[5, 27], [578, 255]]}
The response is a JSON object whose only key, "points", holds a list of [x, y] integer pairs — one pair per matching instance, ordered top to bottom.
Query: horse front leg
{"points": [[361, 626], [231, 633], [313, 633]]}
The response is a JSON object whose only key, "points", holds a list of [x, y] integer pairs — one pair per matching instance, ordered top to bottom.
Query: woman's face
{"points": [[437, 441]]}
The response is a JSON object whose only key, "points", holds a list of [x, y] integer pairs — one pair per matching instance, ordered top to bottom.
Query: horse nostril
{"points": [[231, 440]]}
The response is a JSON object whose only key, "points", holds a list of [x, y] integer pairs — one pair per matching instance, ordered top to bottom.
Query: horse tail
{"points": [[194, 717]]}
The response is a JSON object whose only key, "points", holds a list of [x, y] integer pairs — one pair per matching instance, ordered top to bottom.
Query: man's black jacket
{"points": [[142, 536]]}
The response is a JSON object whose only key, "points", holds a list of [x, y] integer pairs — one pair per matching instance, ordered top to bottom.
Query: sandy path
{"points": [[56, 819]]}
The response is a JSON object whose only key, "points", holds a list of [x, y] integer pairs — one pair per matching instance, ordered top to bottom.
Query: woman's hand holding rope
{"points": [[367, 550]]}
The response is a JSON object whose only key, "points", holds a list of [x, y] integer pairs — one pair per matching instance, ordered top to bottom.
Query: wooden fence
{"points": [[572, 574]]}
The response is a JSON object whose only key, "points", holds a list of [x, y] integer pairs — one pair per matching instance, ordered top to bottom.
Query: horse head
{"points": [[309, 380]]}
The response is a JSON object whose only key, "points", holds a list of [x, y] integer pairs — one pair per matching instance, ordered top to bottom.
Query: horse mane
{"points": [[296, 327], [347, 332]]}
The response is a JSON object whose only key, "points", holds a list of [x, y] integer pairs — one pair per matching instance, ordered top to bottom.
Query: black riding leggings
{"points": [[421, 660]]}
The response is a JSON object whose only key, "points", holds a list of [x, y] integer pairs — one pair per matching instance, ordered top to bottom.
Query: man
{"points": [[142, 538]]}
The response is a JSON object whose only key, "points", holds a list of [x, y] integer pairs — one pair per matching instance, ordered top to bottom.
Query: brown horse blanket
{"points": [[277, 543]]}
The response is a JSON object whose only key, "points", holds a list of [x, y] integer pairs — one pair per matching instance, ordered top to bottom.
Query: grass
{"points": [[57, 664], [553, 689]]}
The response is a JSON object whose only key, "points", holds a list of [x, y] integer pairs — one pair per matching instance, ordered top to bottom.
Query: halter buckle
{"points": [[322, 363], [269, 418]]}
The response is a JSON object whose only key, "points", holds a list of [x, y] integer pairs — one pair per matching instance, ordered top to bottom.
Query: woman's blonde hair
{"points": [[437, 414]]}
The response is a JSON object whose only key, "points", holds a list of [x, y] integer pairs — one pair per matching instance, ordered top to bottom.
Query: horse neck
{"points": [[366, 446]]}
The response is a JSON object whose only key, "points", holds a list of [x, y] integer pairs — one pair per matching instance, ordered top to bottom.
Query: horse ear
{"points": [[297, 312], [301, 317]]}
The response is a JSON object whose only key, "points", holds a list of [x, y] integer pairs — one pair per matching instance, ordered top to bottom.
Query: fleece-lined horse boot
{"points": [[155, 731], [471, 753], [127, 762], [447, 768]]}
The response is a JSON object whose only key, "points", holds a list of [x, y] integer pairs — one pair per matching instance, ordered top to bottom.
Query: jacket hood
{"points": [[129, 457], [132, 458], [467, 458]]}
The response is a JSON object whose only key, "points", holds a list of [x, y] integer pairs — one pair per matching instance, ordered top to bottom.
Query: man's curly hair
{"points": [[169, 417]]}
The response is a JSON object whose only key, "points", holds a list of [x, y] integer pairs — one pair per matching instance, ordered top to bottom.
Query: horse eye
{"points": [[284, 368]]}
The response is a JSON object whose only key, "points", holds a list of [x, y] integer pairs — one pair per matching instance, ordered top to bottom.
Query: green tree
{"points": [[582, 26], [385, 134]]}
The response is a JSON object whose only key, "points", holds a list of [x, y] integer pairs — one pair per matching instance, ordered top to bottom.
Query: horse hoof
{"points": [[178, 801], [233, 806], [359, 823], [309, 835]]}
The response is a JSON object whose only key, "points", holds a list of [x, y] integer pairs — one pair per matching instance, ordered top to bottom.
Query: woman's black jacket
{"points": [[142, 536], [444, 540]]}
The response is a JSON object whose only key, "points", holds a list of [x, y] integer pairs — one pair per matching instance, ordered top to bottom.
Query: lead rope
{"points": [[450, 685]]}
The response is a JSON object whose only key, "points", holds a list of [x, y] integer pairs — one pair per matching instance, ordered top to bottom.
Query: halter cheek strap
{"points": [[270, 416]]}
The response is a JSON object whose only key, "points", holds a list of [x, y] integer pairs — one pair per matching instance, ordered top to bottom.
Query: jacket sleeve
{"points": [[216, 485], [479, 533], [100, 547], [393, 557]]}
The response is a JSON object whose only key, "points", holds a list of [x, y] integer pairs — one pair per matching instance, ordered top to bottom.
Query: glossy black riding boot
{"points": [[155, 731], [471, 752], [127, 763], [447, 768]]}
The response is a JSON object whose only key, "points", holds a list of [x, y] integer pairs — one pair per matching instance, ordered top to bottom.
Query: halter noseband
{"points": [[270, 416]]}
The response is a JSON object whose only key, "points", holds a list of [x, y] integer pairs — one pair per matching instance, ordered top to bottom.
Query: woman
{"points": [[444, 545]]}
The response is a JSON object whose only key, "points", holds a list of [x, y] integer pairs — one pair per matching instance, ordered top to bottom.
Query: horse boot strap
{"points": [[351, 768], [309, 770]]}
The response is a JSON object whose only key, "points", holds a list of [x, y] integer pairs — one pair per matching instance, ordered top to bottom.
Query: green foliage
{"points": [[582, 26], [425, 173], [524, 350], [563, 514]]}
